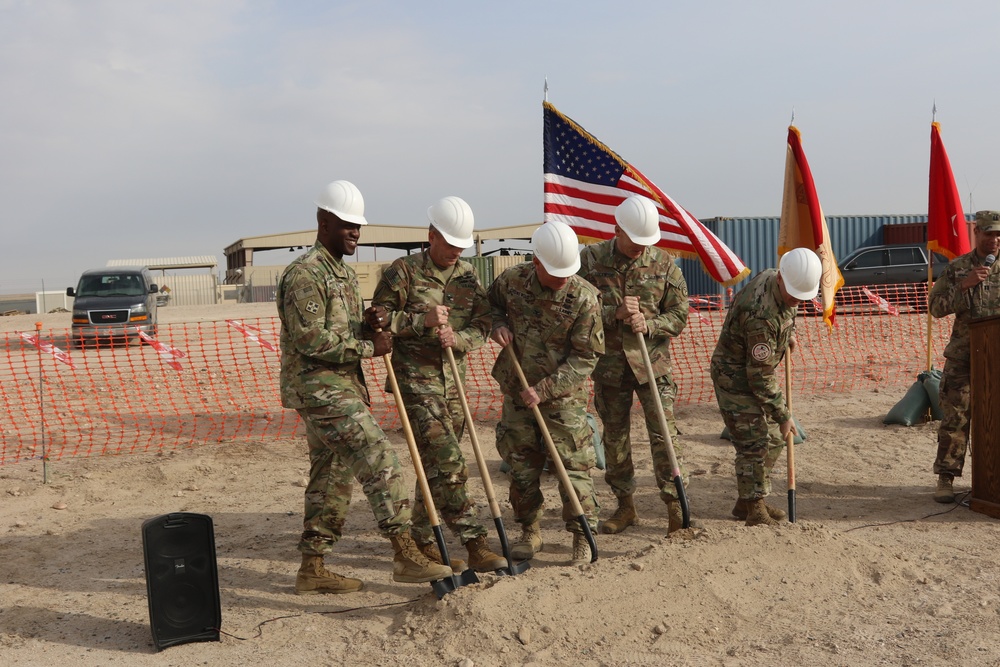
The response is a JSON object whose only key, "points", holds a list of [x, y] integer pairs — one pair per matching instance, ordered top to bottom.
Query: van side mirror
{"points": [[153, 288], [70, 291]]}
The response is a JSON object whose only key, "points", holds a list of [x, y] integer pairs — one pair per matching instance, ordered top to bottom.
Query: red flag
{"points": [[585, 181], [803, 224], [946, 229]]}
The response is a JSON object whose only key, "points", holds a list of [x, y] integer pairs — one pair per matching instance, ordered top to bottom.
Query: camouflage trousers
{"points": [[614, 405], [438, 423], [953, 433], [756, 439], [520, 444], [343, 448]]}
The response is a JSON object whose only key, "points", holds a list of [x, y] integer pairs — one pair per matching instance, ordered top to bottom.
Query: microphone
{"points": [[988, 260]]}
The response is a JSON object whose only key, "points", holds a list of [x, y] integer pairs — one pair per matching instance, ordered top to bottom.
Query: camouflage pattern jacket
{"points": [[409, 288], [662, 292], [947, 297], [320, 308], [558, 335], [752, 343]]}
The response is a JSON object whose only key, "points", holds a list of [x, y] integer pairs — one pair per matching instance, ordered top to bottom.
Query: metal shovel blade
{"points": [[512, 567], [444, 586]]}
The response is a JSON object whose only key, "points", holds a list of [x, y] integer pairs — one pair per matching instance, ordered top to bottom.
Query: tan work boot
{"points": [[944, 492], [740, 510], [757, 514], [675, 515], [623, 517], [529, 544], [581, 550], [434, 555], [481, 558], [409, 566], [314, 579]]}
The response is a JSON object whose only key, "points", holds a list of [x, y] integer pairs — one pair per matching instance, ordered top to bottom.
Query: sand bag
{"points": [[932, 384], [912, 408]]}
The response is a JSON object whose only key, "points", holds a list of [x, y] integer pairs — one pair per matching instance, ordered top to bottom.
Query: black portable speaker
{"points": [[182, 579]]}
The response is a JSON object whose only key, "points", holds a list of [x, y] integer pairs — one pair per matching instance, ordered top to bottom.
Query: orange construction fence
{"points": [[212, 382]]}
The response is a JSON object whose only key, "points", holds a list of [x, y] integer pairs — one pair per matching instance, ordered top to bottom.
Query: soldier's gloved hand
{"points": [[436, 316], [377, 317], [638, 323], [383, 342]]}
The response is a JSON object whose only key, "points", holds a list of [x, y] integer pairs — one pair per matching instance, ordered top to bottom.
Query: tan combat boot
{"points": [[944, 493], [740, 510], [757, 514], [675, 515], [623, 517], [529, 544], [581, 550], [433, 554], [481, 558], [409, 566], [314, 579]]}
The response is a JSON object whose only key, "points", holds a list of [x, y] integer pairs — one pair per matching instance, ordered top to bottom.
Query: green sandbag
{"points": [[932, 384], [912, 408], [800, 437]]}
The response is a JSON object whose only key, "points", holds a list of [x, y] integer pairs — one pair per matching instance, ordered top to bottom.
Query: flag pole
{"points": [[930, 319]]}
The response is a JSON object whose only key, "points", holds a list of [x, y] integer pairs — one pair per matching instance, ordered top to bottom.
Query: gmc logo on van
{"points": [[108, 316]]}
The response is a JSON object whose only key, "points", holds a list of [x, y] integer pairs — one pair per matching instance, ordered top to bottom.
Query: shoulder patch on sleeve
{"points": [[391, 276], [761, 352]]}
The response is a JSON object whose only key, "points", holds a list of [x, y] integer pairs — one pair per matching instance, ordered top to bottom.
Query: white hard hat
{"points": [[344, 200], [452, 218], [639, 219], [557, 248], [801, 270]]}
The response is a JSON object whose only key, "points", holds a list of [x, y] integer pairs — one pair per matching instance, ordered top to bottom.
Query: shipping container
{"points": [[755, 241], [483, 267]]}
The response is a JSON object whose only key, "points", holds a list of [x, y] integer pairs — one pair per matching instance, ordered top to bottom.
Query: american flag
{"points": [[585, 181]]}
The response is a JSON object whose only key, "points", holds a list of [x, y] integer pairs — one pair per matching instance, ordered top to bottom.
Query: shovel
{"points": [[790, 439], [557, 461], [675, 470], [511, 568], [442, 586]]}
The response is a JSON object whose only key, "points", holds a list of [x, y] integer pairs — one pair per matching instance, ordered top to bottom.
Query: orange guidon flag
{"points": [[803, 224], [946, 229]]}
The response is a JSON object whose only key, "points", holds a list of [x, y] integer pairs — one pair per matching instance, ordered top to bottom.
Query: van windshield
{"points": [[114, 284]]}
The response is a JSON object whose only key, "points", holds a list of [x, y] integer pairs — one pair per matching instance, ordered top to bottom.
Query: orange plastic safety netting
{"points": [[212, 382]]}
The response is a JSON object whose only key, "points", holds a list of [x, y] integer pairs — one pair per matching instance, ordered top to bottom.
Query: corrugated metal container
{"points": [[916, 232], [755, 240], [503, 262], [483, 267], [189, 290]]}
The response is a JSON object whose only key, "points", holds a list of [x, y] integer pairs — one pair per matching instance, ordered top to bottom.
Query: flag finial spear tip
{"points": [[545, 89], [934, 112], [792, 121]]}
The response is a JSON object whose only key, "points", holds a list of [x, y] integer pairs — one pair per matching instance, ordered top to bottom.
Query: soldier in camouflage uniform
{"points": [[968, 288], [642, 293], [431, 301], [320, 308], [551, 318], [758, 329]]}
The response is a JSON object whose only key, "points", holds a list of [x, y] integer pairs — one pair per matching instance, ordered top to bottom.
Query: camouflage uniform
{"points": [[408, 289], [946, 298], [320, 307], [558, 337], [752, 343], [621, 372]]}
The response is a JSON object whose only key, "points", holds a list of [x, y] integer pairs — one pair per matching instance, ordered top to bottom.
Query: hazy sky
{"points": [[161, 129]]}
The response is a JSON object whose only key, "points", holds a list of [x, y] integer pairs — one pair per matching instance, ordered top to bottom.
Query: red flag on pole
{"points": [[585, 180], [803, 224], [947, 232]]}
